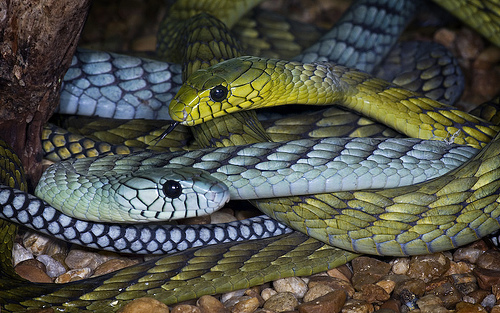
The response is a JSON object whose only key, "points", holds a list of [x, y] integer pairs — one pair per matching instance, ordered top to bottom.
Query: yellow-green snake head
{"points": [[248, 82], [229, 86]]}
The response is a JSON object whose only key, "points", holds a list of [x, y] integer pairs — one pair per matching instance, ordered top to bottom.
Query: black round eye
{"points": [[218, 93], [172, 189]]}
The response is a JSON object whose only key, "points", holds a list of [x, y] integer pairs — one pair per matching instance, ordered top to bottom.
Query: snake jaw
{"points": [[183, 104]]}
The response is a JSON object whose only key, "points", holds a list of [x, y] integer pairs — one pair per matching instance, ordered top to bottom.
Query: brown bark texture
{"points": [[37, 41]]}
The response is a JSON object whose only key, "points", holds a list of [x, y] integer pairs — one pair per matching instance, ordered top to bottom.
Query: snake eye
{"points": [[218, 93], [172, 189]]}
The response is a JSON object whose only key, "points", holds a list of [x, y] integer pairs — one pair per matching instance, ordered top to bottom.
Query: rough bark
{"points": [[37, 41]]}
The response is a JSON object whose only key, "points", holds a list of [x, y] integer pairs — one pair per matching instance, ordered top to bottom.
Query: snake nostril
{"points": [[172, 189]]}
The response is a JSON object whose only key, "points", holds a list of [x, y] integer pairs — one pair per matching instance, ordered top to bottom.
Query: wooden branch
{"points": [[37, 41]]}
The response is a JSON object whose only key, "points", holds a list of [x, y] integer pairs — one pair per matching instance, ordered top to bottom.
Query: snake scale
{"points": [[286, 253]]}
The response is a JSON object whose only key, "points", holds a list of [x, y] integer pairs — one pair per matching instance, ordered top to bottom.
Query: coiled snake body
{"points": [[468, 196]]}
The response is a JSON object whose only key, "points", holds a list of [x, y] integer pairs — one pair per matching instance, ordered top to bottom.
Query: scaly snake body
{"points": [[261, 170]]}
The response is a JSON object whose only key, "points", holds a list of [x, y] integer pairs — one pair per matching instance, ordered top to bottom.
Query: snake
{"points": [[261, 170], [114, 193], [296, 244]]}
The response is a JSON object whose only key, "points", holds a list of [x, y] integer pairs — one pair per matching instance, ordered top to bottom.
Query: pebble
{"points": [[445, 37], [468, 43], [487, 58], [221, 217], [40, 244], [20, 253], [468, 253], [61, 257], [82, 258], [489, 260], [113, 265], [400, 266], [53, 267], [428, 267], [459, 268], [33, 270], [368, 270], [342, 272], [74, 275], [486, 278], [332, 282], [466, 283], [295, 285], [387, 285], [415, 286], [254, 292], [316, 292], [267, 293], [372, 293], [448, 294], [230, 295], [477, 296], [489, 301], [281, 302], [331, 302], [231, 303], [209, 304], [391, 304], [431, 304], [144, 305], [248, 305], [357, 306], [186, 308]]}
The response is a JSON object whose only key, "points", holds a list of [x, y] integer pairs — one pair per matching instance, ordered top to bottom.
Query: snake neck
{"points": [[304, 83]]}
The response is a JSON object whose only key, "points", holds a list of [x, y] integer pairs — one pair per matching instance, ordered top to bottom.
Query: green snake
{"points": [[252, 82], [477, 170], [95, 188], [110, 191]]}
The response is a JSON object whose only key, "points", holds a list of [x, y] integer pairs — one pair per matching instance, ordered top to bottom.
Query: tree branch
{"points": [[37, 40]]}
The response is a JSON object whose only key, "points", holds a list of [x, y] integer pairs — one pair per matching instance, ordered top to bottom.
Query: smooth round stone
{"points": [[81, 258], [53, 267], [33, 270], [294, 285], [281, 302], [331, 302], [211, 304], [144, 305], [186, 308]]}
